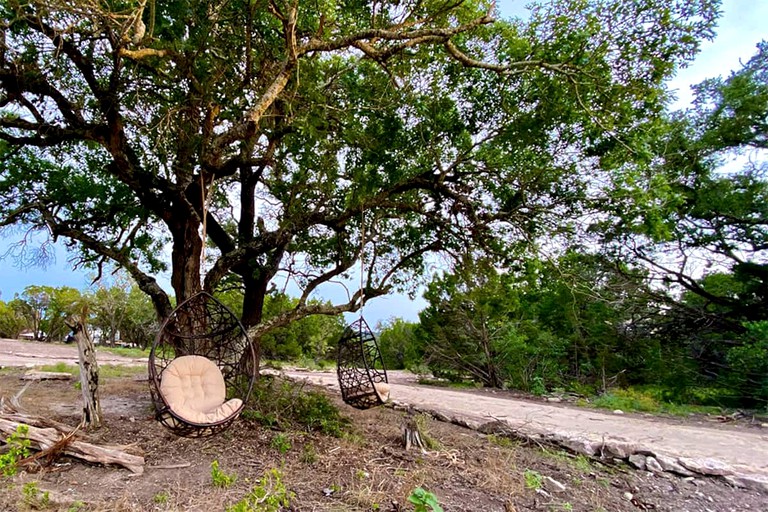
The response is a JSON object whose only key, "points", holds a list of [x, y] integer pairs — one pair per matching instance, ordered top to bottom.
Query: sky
{"points": [[740, 28]]}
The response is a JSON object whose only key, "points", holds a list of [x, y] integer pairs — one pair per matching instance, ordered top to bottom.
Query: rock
{"points": [[554, 399], [618, 411], [764, 425], [581, 445], [620, 449], [637, 461], [670, 464], [652, 465], [710, 467], [752, 482], [553, 485], [628, 496]]}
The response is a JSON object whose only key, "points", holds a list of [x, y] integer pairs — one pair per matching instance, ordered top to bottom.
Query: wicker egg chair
{"points": [[201, 368], [362, 376]]}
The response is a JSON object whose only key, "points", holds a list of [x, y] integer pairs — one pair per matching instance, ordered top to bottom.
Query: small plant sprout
{"points": [[18, 449], [220, 478], [533, 479], [424, 501]]}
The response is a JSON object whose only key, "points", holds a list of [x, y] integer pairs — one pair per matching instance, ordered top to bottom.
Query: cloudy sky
{"points": [[740, 28]]}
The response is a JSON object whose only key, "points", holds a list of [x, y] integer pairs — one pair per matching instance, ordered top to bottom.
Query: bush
{"points": [[285, 405]]}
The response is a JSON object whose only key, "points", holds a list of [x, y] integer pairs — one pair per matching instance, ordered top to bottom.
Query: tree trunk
{"points": [[185, 259], [253, 306], [89, 374]]}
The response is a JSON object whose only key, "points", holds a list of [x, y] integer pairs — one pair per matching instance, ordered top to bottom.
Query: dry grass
{"points": [[367, 469]]}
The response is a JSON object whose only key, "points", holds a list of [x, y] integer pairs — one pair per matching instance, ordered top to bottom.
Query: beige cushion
{"points": [[194, 389], [382, 389]]}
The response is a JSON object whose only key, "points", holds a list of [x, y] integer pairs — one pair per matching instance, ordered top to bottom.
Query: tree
{"points": [[297, 138], [684, 216], [109, 310], [12, 321], [139, 324], [310, 337], [400, 345]]}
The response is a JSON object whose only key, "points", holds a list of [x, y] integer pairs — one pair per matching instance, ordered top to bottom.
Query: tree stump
{"points": [[412, 435]]}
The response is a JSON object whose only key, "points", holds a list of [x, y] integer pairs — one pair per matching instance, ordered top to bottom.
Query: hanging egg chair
{"points": [[201, 368], [360, 368]]}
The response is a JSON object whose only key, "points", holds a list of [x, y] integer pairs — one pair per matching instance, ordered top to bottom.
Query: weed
{"points": [[537, 386], [422, 426], [501, 441], [281, 443], [18, 449], [308, 454], [579, 462], [220, 478], [533, 479], [268, 495], [34, 498], [161, 498], [422, 499], [76, 506], [567, 506]]}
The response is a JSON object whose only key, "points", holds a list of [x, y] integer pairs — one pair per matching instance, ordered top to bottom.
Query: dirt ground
{"points": [[365, 471]]}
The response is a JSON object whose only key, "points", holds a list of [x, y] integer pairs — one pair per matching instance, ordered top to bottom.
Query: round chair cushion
{"points": [[194, 389]]}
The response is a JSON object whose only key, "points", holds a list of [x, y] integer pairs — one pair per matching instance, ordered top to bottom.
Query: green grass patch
{"points": [[125, 352], [72, 369], [106, 371], [118, 371], [650, 400]]}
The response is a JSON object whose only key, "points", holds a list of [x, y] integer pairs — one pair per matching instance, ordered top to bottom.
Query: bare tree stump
{"points": [[89, 373], [412, 435]]}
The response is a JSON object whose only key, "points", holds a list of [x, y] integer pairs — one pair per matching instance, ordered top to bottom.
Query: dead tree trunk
{"points": [[89, 373]]}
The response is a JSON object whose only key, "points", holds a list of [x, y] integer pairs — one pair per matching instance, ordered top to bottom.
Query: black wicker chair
{"points": [[202, 326], [362, 376]]}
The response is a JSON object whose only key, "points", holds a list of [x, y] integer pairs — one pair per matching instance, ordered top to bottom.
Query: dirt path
{"points": [[32, 353], [745, 450]]}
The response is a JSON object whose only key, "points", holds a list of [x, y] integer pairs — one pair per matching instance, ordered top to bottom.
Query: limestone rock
{"points": [[581, 445], [620, 449], [638, 461], [670, 464], [652, 465], [711, 467], [752, 482], [553, 485]]}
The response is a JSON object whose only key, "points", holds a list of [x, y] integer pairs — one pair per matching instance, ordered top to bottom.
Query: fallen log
{"points": [[36, 375], [49, 439]]}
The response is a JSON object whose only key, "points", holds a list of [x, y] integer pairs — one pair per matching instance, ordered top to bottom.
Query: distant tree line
{"points": [[122, 313]]}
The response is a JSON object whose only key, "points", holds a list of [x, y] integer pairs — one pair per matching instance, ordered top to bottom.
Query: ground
{"points": [[368, 469]]}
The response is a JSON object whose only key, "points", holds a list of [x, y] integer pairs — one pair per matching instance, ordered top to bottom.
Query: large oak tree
{"points": [[297, 135]]}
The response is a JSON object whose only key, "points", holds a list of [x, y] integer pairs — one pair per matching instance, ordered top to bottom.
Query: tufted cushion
{"points": [[194, 389]]}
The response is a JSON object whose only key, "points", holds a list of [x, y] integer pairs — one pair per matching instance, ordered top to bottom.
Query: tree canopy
{"points": [[266, 137]]}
